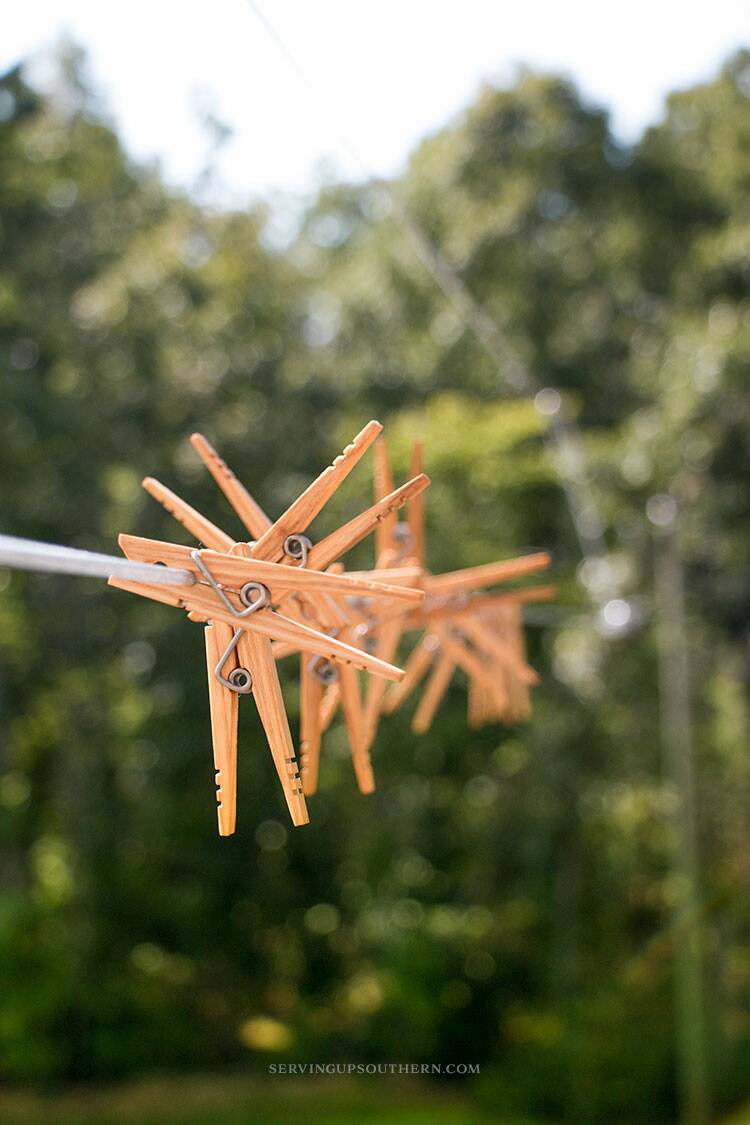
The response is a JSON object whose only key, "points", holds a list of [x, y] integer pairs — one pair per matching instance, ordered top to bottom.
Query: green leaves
{"points": [[502, 890]]}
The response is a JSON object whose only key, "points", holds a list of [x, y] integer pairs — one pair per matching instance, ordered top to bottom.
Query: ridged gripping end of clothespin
{"points": [[249, 511], [203, 529], [223, 706]]}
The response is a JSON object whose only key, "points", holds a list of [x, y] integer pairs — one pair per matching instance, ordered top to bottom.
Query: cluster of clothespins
{"points": [[278, 593]]}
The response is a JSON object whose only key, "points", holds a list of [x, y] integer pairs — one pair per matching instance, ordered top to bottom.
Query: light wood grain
{"points": [[382, 487], [249, 511], [299, 515], [415, 515], [198, 526], [349, 534], [325, 553], [233, 571], [392, 575], [474, 577], [167, 595], [528, 596], [203, 601], [433, 611], [513, 616], [332, 619], [486, 638], [386, 647], [254, 652], [472, 664], [415, 669], [437, 685], [311, 698], [223, 704], [351, 705], [329, 706], [474, 709]]}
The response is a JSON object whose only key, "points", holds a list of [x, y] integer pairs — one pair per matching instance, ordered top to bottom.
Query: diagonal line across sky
{"points": [[399, 69]]}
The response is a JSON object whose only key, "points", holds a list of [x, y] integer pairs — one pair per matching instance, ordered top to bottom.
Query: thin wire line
{"points": [[568, 455], [27, 554]]}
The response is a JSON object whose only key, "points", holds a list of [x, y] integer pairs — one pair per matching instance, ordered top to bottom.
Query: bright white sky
{"points": [[385, 72]]}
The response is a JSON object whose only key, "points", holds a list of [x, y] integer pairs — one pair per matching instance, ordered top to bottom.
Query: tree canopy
{"points": [[505, 896]]}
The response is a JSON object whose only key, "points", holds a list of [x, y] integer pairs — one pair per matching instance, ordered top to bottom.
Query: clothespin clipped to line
{"points": [[239, 591], [339, 622], [463, 625]]}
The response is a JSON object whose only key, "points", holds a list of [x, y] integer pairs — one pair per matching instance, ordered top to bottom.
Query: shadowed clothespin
{"points": [[479, 632]]}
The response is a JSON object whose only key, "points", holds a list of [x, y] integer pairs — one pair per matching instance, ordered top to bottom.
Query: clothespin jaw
{"points": [[250, 513], [299, 515], [198, 526], [233, 569], [490, 574], [223, 604], [490, 652]]}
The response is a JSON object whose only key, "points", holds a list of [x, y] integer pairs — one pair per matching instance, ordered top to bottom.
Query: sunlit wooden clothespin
{"points": [[399, 548], [238, 591], [331, 614]]}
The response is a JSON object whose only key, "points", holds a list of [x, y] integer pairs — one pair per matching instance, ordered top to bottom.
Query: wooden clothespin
{"points": [[399, 556], [238, 590], [328, 613], [478, 632]]}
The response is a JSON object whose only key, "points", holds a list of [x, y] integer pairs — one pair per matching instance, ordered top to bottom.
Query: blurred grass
{"points": [[212, 1100]]}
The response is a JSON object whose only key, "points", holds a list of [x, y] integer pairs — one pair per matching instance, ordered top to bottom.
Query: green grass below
{"points": [[212, 1100]]}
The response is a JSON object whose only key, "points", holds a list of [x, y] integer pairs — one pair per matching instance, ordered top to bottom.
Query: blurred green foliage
{"points": [[504, 898]]}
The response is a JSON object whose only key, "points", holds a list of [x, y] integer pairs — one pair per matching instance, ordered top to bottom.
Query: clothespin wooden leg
{"points": [[383, 486], [307, 506], [416, 506], [252, 515], [198, 526], [388, 637], [485, 637], [519, 641], [255, 653], [474, 666], [414, 669], [437, 685], [311, 698], [223, 705], [351, 705], [329, 706], [474, 711]]}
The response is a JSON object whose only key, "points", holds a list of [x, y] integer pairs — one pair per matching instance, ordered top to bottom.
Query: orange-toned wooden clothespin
{"points": [[238, 591], [332, 613], [379, 628], [479, 632]]}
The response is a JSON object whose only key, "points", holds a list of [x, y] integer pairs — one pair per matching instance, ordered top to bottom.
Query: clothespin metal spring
{"points": [[298, 547], [254, 596]]}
